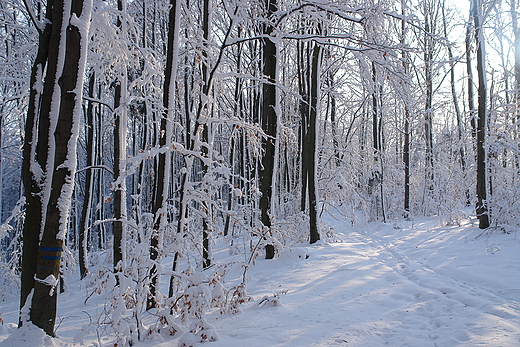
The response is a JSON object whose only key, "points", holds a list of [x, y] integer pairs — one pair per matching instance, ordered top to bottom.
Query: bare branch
{"points": [[39, 25]]}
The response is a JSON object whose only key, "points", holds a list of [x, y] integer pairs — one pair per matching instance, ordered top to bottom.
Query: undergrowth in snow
{"points": [[407, 283]]}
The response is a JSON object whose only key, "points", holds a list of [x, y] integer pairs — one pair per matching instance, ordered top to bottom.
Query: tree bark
{"points": [[516, 32], [71, 38], [303, 71], [471, 80], [238, 99], [428, 108], [516, 116], [333, 122], [269, 124], [377, 137], [312, 139], [406, 143], [119, 155], [163, 173], [32, 179], [89, 185], [481, 207], [206, 261]]}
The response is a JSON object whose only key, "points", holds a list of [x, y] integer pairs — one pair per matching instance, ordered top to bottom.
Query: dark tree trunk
{"points": [[303, 71], [188, 108], [268, 123], [333, 124], [377, 137], [233, 142], [311, 142], [406, 144], [119, 157], [62, 159], [406, 161], [31, 183], [161, 190], [118, 192], [481, 208], [206, 261]]}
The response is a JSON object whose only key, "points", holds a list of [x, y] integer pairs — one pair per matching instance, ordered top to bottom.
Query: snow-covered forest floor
{"points": [[405, 283]]}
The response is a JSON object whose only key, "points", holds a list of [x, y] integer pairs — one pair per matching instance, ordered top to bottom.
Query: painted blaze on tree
{"points": [[65, 35]]}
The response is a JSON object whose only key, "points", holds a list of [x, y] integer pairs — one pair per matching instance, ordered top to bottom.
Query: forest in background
{"points": [[144, 130]]}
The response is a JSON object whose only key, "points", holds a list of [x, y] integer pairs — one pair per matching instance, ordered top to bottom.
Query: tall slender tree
{"points": [[430, 9], [516, 33], [269, 119], [120, 131], [406, 134], [312, 135], [163, 173], [89, 182], [481, 207]]}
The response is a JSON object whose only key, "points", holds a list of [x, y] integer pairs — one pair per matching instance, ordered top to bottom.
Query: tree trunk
{"points": [[516, 32], [72, 39], [303, 71], [471, 79], [428, 108], [516, 116], [333, 123], [269, 124], [377, 137], [312, 139], [233, 143], [406, 144], [119, 154], [163, 174], [32, 179], [89, 184], [481, 207], [100, 215], [206, 261]]}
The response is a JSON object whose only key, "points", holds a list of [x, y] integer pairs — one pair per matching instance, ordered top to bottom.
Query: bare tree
{"points": [[516, 32], [65, 34], [268, 122], [120, 131], [163, 174], [481, 208]]}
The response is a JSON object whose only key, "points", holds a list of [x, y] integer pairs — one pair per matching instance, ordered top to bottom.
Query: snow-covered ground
{"points": [[407, 283]]}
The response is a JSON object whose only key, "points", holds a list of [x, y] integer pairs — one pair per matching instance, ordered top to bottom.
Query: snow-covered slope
{"points": [[406, 283]]}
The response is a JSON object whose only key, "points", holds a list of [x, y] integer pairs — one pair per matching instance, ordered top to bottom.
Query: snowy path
{"points": [[403, 284], [424, 286]]}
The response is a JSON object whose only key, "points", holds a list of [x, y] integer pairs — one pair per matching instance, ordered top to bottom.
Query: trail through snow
{"points": [[400, 284], [382, 285]]}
